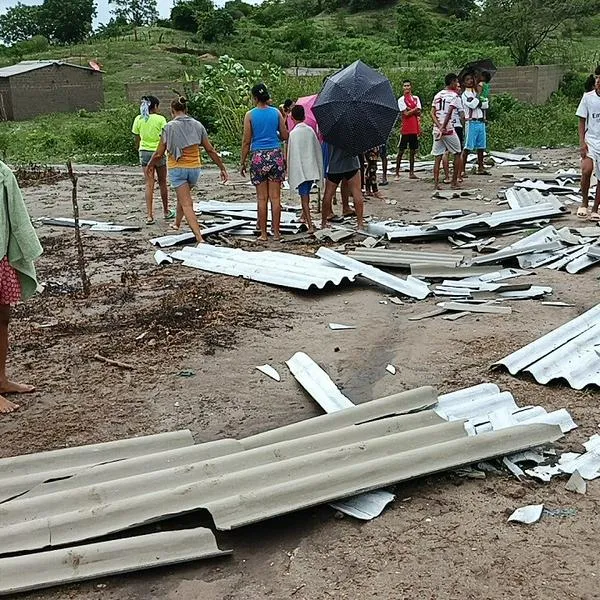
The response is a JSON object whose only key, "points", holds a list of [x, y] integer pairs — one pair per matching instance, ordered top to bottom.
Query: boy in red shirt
{"points": [[410, 107]]}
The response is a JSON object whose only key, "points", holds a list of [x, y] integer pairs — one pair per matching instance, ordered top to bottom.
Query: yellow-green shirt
{"points": [[149, 131]]}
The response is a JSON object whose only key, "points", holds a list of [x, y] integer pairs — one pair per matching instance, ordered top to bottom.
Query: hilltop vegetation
{"points": [[419, 39]]}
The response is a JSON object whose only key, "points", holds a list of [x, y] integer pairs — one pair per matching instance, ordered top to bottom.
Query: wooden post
{"points": [[85, 281]]}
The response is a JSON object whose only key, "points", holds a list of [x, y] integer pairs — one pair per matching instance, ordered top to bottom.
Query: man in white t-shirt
{"points": [[444, 105], [588, 112], [475, 119]]}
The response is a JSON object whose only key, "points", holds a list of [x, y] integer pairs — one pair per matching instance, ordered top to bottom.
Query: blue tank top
{"points": [[265, 128]]}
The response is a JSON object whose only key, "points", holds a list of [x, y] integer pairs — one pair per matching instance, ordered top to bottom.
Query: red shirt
{"points": [[410, 125]]}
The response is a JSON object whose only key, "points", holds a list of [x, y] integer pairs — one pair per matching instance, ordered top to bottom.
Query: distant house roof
{"points": [[31, 65]]}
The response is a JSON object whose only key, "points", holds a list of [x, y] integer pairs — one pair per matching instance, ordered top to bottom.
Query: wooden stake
{"points": [[85, 281], [114, 363]]}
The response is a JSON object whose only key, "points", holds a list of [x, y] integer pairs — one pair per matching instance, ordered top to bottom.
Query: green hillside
{"points": [[420, 39]]}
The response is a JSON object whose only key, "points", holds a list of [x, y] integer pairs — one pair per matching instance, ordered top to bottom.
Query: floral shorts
{"points": [[267, 165], [10, 285]]}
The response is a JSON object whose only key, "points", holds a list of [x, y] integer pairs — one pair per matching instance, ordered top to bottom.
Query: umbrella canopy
{"points": [[485, 64], [356, 110], [310, 120]]}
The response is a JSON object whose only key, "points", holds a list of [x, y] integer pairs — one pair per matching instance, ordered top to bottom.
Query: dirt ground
{"points": [[443, 538]]}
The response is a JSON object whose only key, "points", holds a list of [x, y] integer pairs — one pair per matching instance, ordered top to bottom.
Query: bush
{"points": [[573, 84]]}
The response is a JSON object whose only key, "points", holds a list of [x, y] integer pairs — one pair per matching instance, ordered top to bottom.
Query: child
{"points": [[484, 90], [371, 160], [305, 162]]}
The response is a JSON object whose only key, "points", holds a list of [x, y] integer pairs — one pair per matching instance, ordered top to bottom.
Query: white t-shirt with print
{"points": [[443, 102], [472, 105], [589, 109], [456, 115]]}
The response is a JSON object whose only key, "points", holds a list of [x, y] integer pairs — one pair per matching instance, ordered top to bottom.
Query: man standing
{"points": [[444, 105], [410, 107], [475, 122], [589, 142]]}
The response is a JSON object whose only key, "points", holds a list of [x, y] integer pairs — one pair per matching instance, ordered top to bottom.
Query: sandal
{"points": [[582, 212], [170, 215], [595, 217], [150, 221], [174, 227]]}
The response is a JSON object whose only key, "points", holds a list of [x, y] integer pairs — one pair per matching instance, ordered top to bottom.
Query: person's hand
{"points": [[583, 151], [149, 170], [243, 170], [224, 175]]}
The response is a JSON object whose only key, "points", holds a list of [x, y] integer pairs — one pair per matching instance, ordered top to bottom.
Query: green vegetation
{"points": [[416, 39]]}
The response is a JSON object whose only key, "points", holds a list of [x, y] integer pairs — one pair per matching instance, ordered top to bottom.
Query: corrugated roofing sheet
{"points": [[32, 65], [522, 198], [166, 241], [402, 258], [276, 268], [409, 287], [568, 352], [46, 569]]}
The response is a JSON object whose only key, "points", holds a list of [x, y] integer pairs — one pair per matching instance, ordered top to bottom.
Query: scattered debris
{"points": [[162, 258], [114, 363], [391, 369], [269, 371], [576, 484], [527, 514]]}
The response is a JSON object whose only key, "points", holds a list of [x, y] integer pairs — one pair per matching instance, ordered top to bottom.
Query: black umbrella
{"points": [[485, 64], [356, 110]]}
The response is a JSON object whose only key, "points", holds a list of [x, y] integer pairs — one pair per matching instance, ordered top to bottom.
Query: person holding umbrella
{"points": [[356, 111], [264, 132]]}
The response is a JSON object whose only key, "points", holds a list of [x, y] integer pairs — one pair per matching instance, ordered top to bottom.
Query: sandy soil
{"points": [[444, 538]]}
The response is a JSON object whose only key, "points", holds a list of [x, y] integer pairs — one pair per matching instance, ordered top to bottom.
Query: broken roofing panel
{"points": [[522, 198], [185, 238], [402, 258], [276, 268], [409, 287], [568, 352], [241, 494], [47, 569]]}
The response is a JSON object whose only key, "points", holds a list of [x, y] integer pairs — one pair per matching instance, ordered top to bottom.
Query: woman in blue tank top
{"points": [[264, 132]]}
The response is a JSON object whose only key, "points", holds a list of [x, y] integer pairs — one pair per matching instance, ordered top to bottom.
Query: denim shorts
{"points": [[146, 155], [181, 175]]}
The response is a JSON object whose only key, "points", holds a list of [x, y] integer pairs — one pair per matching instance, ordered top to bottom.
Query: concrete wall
{"points": [[532, 84], [54, 89], [163, 90], [6, 112]]}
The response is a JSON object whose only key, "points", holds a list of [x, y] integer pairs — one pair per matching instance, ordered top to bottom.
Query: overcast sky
{"points": [[164, 7]]}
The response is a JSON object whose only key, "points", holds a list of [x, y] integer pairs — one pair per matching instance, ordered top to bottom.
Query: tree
{"points": [[461, 9], [136, 12], [186, 14], [20, 23], [216, 25], [414, 25], [526, 26], [67, 27], [301, 35]]}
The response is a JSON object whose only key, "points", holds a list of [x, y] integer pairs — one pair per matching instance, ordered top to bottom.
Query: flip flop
{"points": [[484, 172], [582, 212], [170, 215], [594, 217], [150, 221]]}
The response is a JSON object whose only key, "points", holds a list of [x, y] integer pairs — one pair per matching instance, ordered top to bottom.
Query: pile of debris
{"points": [[64, 498]]}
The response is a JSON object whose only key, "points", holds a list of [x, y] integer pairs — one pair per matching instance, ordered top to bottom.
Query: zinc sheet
{"points": [[404, 259]]}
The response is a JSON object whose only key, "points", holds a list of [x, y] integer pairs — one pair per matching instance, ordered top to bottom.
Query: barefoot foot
{"points": [[11, 387], [6, 406]]}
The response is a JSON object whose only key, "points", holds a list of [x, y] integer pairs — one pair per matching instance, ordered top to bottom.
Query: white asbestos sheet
{"points": [[162, 258], [410, 286], [340, 326], [269, 371], [317, 383], [19, 474], [576, 484], [365, 506], [527, 514], [80, 563]]}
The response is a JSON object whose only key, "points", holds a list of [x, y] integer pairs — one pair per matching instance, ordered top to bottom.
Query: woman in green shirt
{"points": [[147, 128]]}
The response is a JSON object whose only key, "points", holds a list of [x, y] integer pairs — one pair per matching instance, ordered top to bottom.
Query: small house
{"points": [[37, 87]]}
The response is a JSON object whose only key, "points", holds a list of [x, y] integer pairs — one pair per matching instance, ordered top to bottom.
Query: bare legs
{"points": [[398, 162], [411, 163], [384, 165], [587, 167], [455, 170], [161, 176], [353, 189], [265, 191], [345, 193], [185, 207], [306, 213], [7, 386]]}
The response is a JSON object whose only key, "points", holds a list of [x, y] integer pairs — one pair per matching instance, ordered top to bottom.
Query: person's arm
{"points": [[471, 102], [448, 117], [435, 119], [284, 134], [138, 141], [246, 141], [582, 143], [210, 150], [157, 156]]}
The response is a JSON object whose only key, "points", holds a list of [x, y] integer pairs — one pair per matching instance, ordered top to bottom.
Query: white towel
{"points": [[305, 157]]}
